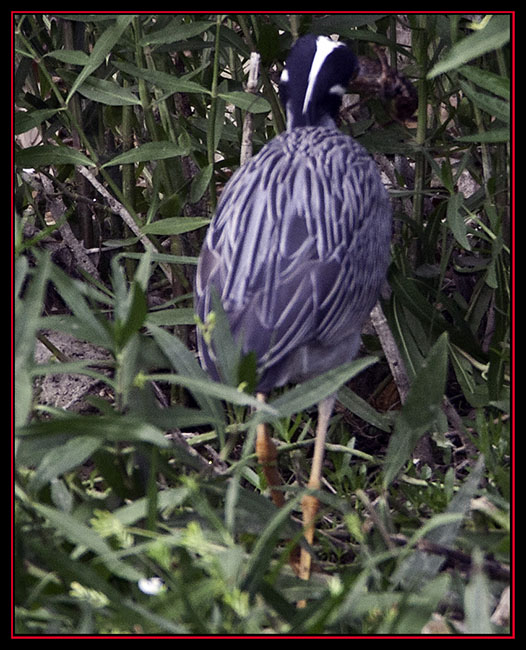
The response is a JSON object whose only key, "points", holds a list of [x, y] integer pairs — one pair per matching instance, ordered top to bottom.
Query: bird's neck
{"points": [[294, 121]]}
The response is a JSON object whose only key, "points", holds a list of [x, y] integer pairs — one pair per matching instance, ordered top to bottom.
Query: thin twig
{"points": [[246, 140], [117, 208], [394, 359], [375, 518]]}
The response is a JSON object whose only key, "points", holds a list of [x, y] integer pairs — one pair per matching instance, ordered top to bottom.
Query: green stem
{"points": [[420, 44], [213, 113], [152, 491]]}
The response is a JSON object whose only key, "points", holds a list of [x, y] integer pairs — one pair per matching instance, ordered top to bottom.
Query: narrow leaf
{"points": [[176, 31], [494, 35], [101, 49], [73, 57], [162, 80], [487, 80], [107, 92], [247, 101], [488, 103], [24, 121], [491, 136], [149, 151], [47, 154], [200, 183], [456, 221], [175, 225], [137, 310], [171, 317], [27, 319], [93, 330], [184, 362], [217, 390], [313, 391], [355, 404], [420, 409], [115, 428], [63, 458], [78, 533], [419, 567], [478, 600]]}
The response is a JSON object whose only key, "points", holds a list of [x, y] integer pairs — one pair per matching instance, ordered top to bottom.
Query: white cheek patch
{"points": [[324, 46], [284, 76], [337, 90]]}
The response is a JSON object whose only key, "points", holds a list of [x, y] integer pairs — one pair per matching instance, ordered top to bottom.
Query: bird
{"points": [[298, 250]]}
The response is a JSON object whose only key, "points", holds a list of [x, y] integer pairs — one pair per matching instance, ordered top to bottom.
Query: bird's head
{"points": [[315, 77]]}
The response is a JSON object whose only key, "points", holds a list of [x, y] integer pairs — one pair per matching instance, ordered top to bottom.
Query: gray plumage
{"points": [[298, 251]]}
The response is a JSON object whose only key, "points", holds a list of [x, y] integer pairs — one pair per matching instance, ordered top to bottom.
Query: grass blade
{"points": [[420, 409]]}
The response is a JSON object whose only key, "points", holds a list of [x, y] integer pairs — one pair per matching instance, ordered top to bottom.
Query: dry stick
{"points": [[246, 140], [117, 207], [58, 210], [390, 349]]}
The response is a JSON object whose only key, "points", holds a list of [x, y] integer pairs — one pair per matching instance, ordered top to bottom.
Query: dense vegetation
{"points": [[139, 506]]}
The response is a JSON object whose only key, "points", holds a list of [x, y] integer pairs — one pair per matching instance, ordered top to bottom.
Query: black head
{"points": [[314, 80]]}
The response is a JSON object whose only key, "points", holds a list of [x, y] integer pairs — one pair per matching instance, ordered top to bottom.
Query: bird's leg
{"points": [[267, 456], [309, 503]]}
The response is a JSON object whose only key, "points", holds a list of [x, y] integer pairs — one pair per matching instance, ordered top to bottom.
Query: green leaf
{"points": [[176, 31], [494, 35], [104, 45], [73, 57], [162, 80], [487, 80], [104, 91], [247, 101], [487, 103], [25, 121], [491, 136], [150, 151], [44, 155], [200, 183], [456, 221], [175, 225], [409, 292], [135, 317], [171, 317], [27, 320], [86, 325], [227, 351], [183, 361], [81, 367], [315, 390], [219, 391], [355, 404], [420, 410], [114, 428], [64, 458], [442, 529], [81, 535], [261, 554], [478, 599]]}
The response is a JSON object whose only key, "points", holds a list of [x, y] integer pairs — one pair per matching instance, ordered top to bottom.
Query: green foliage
{"points": [[144, 511]]}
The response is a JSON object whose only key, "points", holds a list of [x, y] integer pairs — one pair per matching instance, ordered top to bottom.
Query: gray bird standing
{"points": [[299, 247]]}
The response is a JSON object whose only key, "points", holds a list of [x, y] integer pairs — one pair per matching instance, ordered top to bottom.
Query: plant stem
{"points": [[420, 51], [213, 112]]}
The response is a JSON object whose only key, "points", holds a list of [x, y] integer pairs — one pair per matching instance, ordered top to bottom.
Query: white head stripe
{"points": [[324, 46]]}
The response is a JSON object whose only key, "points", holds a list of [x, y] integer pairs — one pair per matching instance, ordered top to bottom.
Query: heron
{"points": [[298, 250]]}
